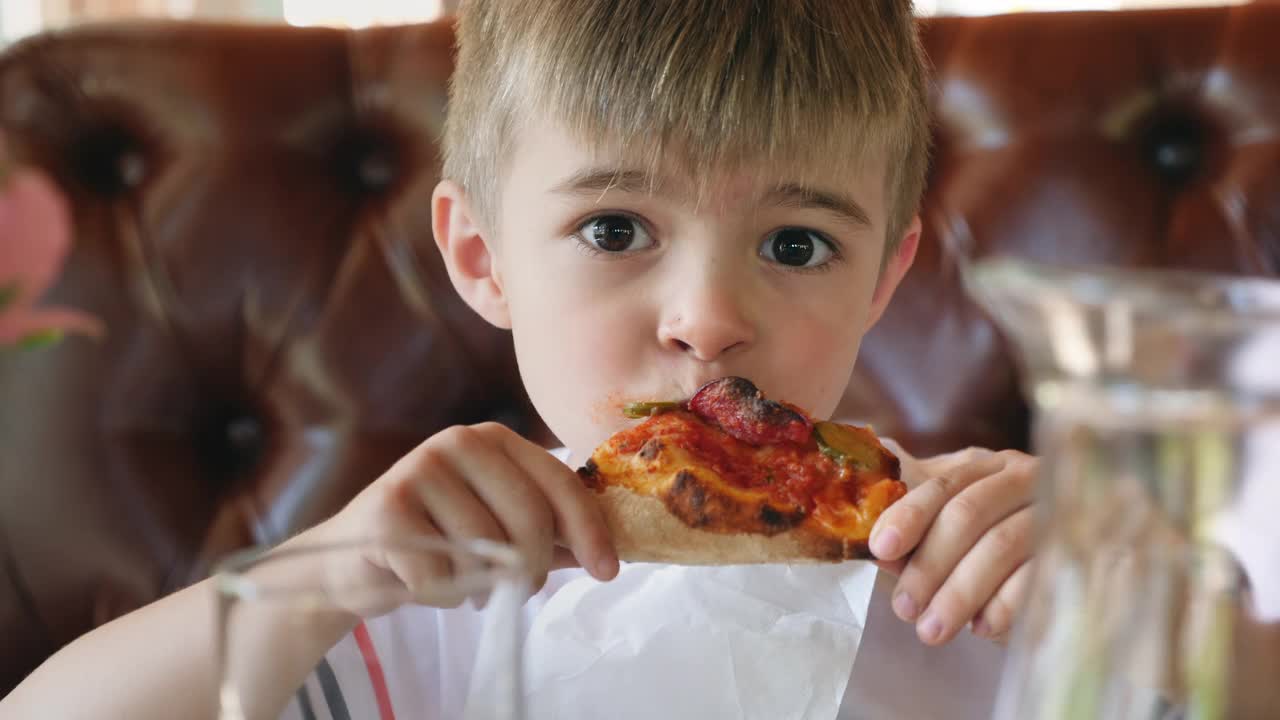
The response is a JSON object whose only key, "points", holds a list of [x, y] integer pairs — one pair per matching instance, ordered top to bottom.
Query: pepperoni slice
{"points": [[742, 411]]}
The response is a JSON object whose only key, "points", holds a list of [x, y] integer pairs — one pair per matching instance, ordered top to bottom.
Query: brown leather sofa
{"points": [[253, 226]]}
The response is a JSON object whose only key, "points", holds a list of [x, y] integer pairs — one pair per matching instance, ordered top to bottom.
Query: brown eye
{"points": [[615, 234], [796, 247]]}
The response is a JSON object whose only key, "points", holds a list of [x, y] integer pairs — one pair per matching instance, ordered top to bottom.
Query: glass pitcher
{"points": [[1157, 404]]}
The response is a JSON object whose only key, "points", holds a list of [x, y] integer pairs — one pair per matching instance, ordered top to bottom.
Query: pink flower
{"points": [[35, 237]]}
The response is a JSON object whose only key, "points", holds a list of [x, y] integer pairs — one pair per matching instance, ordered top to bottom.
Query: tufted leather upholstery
{"points": [[1133, 138], [253, 226]]}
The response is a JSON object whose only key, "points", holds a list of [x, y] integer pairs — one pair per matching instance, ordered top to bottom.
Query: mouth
{"points": [[683, 389], [636, 405], [739, 408]]}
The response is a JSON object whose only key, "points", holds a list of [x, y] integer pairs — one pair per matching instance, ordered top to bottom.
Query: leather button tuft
{"points": [[1175, 147], [109, 161], [367, 162], [376, 172], [244, 435], [230, 441]]}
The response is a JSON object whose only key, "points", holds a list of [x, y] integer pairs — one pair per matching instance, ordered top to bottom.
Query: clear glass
{"points": [[1156, 395], [330, 630]]}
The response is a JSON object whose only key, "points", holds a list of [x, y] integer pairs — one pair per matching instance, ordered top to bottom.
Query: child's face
{"points": [[617, 293]]}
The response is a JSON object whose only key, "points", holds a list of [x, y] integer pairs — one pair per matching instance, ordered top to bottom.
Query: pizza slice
{"points": [[732, 477]]}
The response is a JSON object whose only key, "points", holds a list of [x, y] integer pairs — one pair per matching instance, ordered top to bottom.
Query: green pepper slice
{"points": [[639, 410], [845, 445]]}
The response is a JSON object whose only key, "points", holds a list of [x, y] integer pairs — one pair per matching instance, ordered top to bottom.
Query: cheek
{"points": [[814, 346], [573, 351]]}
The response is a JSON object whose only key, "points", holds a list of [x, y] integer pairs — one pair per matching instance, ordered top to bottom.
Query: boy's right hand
{"points": [[477, 482]]}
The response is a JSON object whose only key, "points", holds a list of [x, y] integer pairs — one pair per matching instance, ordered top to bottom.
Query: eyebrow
{"points": [[593, 181], [597, 181], [806, 198]]}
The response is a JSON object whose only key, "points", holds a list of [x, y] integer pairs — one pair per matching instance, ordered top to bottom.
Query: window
{"points": [[993, 7], [363, 13], [23, 17]]}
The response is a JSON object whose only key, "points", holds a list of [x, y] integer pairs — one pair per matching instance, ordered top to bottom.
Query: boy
{"points": [[649, 194]]}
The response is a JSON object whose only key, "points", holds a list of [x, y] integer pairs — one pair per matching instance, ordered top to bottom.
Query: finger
{"points": [[947, 462], [507, 492], [453, 507], [526, 516], [579, 519], [905, 522], [959, 524], [563, 558], [893, 567], [426, 573], [976, 579], [995, 620]]}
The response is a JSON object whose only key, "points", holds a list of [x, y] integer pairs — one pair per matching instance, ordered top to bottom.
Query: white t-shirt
{"points": [[771, 642]]}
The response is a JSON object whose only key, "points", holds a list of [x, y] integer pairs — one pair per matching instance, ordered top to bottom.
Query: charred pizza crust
{"points": [[644, 531]]}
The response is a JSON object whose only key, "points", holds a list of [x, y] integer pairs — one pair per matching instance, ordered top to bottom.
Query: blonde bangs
{"points": [[801, 87]]}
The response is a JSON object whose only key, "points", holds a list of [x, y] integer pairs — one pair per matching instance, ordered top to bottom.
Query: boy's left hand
{"points": [[959, 543]]}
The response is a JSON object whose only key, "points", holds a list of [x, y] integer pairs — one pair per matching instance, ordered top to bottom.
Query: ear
{"points": [[469, 253], [894, 270]]}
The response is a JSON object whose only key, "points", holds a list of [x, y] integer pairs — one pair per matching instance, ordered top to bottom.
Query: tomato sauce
{"points": [[791, 474]]}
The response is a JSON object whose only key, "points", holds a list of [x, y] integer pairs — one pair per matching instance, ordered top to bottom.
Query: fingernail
{"points": [[884, 544], [905, 607], [930, 628]]}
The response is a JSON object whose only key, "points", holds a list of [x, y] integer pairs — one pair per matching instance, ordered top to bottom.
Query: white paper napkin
{"points": [[770, 642]]}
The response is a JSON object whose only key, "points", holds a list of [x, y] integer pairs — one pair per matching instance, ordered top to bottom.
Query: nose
{"points": [[707, 319]]}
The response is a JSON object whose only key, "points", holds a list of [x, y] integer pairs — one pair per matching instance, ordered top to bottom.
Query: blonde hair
{"points": [[713, 85]]}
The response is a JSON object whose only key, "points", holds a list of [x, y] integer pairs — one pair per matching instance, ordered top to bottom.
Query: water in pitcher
{"points": [[1157, 403]]}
